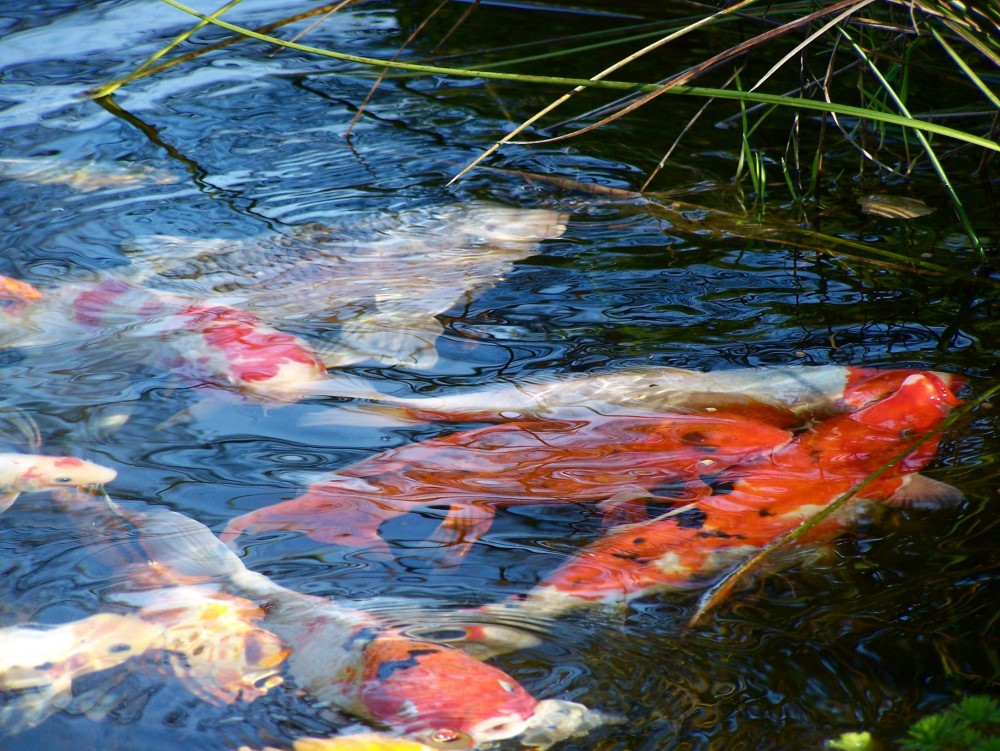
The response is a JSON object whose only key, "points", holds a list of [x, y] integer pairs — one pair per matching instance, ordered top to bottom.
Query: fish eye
{"points": [[64, 480], [447, 739]]}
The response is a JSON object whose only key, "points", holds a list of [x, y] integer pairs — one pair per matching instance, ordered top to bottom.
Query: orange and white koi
{"points": [[29, 473], [471, 473], [754, 503], [235, 628]]}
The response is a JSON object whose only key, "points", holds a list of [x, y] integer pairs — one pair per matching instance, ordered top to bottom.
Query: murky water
{"points": [[888, 623]]}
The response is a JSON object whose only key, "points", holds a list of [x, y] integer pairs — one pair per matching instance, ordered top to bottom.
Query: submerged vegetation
{"points": [[972, 724]]}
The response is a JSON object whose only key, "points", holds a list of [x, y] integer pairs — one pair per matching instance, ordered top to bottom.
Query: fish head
{"points": [[868, 385], [919, 404], [30, 472], [441, 695]]}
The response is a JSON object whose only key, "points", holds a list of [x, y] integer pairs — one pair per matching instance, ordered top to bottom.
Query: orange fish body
{"points": [[473, 472], [756, 502]]}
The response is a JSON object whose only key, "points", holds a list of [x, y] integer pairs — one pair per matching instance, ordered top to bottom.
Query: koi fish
{"points": [[84, 176], [383, 281], [199, 341], [808, 391], [472, 472], [29, 473], [754, 503], [197, 600]]}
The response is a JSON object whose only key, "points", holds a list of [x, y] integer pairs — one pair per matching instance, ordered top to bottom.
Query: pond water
{"points": [[892, 621]]}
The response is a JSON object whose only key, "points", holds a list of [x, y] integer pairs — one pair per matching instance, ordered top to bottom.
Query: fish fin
{"points": [[393, 338], [922, 492], [7, 500], [625, 507], [461, 528], [185, 546], [555, 720]]}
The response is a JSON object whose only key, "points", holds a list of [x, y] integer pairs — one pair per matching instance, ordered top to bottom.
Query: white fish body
{"points": [[382, 282], [804, 390]]}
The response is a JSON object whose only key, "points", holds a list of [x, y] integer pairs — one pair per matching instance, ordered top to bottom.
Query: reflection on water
{"points": [[868, 633]]}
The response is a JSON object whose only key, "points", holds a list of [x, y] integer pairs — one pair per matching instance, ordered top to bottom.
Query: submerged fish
{"points": [[82, 175], [382, 282], [201, 342], [806, 390], [29, 473], [470, 473], [756, 502], [342, 657]]}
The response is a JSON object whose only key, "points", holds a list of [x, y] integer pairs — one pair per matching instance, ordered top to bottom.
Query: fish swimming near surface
{"points": [[83, 175], [381, 282], [199, 341], [809, 391], [472, 472], [30, 473], [754, 503], [230, 630]]}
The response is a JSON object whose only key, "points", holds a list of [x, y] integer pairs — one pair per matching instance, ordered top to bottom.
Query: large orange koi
{"points": [[470, 473], [756, 502]]}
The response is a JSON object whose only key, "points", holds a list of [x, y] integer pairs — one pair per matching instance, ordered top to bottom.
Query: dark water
{"points": [[889, 623]]}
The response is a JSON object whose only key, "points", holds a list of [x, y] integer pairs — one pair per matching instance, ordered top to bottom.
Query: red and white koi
{"points": [[203, 342], [29, 473], [471, 473], [756, 502]]}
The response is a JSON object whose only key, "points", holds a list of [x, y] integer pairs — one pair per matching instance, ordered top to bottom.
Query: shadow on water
{"points": [[892, 621]]}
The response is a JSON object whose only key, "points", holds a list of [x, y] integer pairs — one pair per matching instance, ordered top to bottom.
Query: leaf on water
{"points": [[894, 207]]}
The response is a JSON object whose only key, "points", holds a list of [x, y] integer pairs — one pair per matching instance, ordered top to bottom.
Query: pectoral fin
{"points": [[403, 338], [922, 492], [7, 500], [461, 528]]}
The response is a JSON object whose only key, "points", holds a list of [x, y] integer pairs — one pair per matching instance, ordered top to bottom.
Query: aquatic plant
{"points": [[971, 724]]}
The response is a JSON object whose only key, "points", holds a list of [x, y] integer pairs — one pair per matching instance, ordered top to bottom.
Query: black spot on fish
{"points": [[722, 487], [693, 519], [718, 534], [625, 556], [386, 669]]}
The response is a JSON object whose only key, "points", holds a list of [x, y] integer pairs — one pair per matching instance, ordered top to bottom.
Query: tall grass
{"points": [[874, 72]]}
